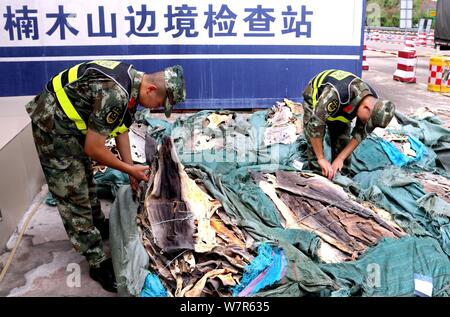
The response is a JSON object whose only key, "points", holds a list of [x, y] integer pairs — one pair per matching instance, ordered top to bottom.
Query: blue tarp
{"points": [[398, 158], [268, 268], [153, 287]]}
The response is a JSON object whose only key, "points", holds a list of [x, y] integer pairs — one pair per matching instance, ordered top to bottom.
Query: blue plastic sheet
{"points": [[398, 158], [266, 269], [153, 287]]}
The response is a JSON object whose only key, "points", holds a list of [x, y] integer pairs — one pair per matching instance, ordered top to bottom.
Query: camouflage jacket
{"points": [[95, 95], [317, 116]]}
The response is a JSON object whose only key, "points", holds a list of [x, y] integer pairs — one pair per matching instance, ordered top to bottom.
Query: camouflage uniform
{"points": [[319, 111], [60, 146]]}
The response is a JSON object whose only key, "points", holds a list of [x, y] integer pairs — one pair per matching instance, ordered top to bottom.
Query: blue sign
{"points": [[236, 54]]}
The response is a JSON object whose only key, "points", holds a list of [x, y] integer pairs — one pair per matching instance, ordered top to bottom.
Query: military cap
{"points": [[175, 87], [382, 114]]}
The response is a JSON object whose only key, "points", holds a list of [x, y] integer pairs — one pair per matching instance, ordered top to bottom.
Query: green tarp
{"points": [[225, 172], [396, 192], [130, 260], [389, 269]]}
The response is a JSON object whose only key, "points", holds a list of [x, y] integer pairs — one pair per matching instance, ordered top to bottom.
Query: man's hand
{"points": [[337, 166], [327, 169], [139, 173], [133, 183]]}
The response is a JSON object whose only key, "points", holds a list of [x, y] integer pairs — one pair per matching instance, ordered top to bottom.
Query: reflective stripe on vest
{"points": [[317, 83], [64, 100], [67, 105], [340, 118], [119, 130]]}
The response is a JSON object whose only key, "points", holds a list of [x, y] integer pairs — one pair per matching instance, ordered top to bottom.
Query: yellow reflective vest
{"points": [[117, 71], [341, 81]]}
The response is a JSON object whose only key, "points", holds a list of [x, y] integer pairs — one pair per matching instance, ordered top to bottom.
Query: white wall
{"points": [[21, 175]]}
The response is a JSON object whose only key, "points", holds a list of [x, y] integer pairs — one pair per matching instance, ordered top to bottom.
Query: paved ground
{"points": [[407, 97], [45, 263]]}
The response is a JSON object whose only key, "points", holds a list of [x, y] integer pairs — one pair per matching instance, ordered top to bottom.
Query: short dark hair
{"points": [[157, 79]]}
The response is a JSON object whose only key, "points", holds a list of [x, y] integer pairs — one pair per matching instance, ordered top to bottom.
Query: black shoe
{"points": [[103, 227], [104, 274]]}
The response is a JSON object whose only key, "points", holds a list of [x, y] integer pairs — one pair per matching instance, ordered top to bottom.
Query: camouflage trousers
{"points": [[338, 134], [70, 179]]}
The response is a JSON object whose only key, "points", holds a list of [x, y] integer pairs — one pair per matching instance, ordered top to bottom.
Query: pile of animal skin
{"points": [[310, 202], [194, 248]]}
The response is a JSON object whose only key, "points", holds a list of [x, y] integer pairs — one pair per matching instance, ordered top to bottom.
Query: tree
{"points": [[390, 12]]}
